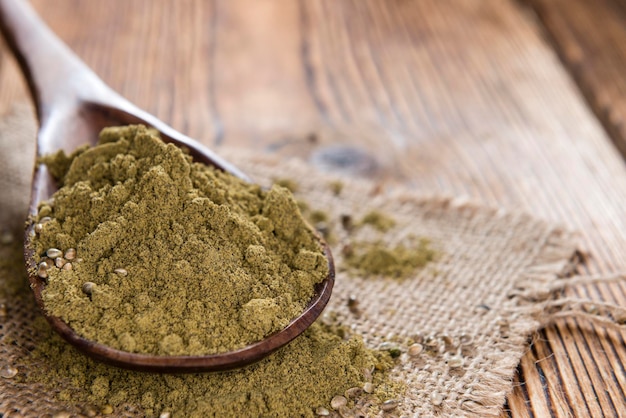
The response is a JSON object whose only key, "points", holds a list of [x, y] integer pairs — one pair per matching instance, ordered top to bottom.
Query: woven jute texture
{"points": [[465, 308]]}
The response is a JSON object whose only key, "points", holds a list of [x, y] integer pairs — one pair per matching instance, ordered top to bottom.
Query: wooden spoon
{"points": [[73, 105]]}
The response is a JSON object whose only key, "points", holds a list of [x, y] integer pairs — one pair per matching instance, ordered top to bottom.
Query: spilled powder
{"points": [[378, 220], [171, 257], [368, 257], [377, 259], [295, 381]]}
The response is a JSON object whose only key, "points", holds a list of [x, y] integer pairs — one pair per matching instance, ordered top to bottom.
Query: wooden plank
{"points": [[590, 37], [459, 98]]}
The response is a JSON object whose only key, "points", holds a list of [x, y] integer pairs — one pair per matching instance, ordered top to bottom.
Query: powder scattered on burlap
{"points": [[378, 220], [167, 256], [374, 257], [369, 259], [295, 381]]}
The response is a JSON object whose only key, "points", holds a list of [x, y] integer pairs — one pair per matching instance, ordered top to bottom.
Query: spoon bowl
{"points": [[73, 105]]}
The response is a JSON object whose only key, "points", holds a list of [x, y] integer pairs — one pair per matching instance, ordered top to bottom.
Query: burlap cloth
{"points": [[473, 309]]}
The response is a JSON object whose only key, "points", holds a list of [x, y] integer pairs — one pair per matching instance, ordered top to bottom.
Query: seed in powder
{"points": [[54, 253], [70, 254], [42, 270], [88, 287], [353, 392], [338, 401], [322, 412]]}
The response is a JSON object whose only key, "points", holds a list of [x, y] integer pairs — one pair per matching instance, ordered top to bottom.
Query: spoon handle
{"points": [[51, 69], [69, 97]]}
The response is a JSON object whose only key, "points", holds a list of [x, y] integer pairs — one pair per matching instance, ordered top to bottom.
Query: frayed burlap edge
{"points": [[480, 386]]}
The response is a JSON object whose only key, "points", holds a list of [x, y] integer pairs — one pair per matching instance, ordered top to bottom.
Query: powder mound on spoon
{"points": [[145, 251]]}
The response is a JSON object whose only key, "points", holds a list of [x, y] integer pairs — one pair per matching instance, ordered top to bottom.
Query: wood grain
{"points": [[591, 39], [460, 98]]}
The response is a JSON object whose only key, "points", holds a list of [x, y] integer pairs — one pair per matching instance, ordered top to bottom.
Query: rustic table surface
{"points": [[514, 103]]}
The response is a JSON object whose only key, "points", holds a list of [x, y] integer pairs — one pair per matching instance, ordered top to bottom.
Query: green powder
{"points": [[336, 187], [378, 220], [167, 256], [376, 259], [293, 382]]}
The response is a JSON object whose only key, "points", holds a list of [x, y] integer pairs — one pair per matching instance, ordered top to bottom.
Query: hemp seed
{"points": [[54, 253], [70, 254], [59, 262], [67, 266], [42, 271], [121, 272], [88, 288], [465, 339], [415, 350], [455, 362], [8, 372], [367, 375], [353, 392], [436, 398], [338, 401], [389, 405], [90, 411], [322, 412], [345, 412]]}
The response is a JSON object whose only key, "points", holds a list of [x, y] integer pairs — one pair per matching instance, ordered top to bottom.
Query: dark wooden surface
{"points": [[590, 37], [463, 98]]}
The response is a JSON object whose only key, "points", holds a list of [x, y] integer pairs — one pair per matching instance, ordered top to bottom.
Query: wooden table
{"points": [[519, 104]]}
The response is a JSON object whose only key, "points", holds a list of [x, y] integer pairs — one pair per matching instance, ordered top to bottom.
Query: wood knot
{"points": [[345, 159]]}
